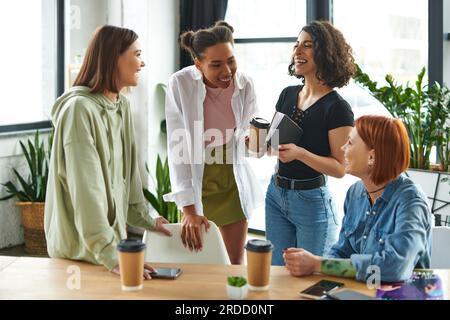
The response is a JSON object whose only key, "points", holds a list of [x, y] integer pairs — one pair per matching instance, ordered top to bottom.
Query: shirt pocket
{"points": [[379, 240]]}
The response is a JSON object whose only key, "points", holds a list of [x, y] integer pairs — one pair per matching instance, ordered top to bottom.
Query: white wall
{"points": [[85, 17], [156, 23], [161, 63]]}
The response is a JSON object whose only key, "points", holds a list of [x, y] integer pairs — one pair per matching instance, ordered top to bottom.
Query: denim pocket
{"points": [[315, 194]]}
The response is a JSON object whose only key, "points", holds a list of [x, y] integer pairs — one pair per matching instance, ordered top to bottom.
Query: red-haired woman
{"points": [[387, 223]]}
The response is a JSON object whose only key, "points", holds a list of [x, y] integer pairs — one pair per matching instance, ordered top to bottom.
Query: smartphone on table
{"points": [[166, 273], [320, 289], [347, 294]]}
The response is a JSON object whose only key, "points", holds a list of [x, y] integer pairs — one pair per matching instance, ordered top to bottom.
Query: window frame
{"points": [[436, 39], [60, 74]]}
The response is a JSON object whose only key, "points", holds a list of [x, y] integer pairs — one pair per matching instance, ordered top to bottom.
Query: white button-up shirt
{"points": [[184, 115]]}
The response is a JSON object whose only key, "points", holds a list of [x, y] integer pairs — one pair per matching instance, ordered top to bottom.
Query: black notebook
{"points": [[283, 130]]}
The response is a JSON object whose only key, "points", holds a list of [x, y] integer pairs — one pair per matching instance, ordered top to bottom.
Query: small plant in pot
{"points": [[31, 193], [237, 287]]}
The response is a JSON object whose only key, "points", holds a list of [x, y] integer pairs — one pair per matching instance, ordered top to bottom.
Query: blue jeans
{"points": [[300, 218]]}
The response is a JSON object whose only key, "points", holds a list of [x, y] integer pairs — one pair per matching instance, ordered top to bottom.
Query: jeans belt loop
{"points": [[292, 184]]}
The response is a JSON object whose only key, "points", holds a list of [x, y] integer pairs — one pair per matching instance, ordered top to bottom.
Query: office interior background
{"points": [[43, 47]]}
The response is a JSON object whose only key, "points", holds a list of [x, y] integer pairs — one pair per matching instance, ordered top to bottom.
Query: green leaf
{"points": [[424, 109], [163, 126], [27, 156], [37, 157], [40, 159], [33, 167], [159, 175], [166, 178], [27, 187], [11, 188], [40, 193], [7, 197], [153, 201], [168, 210], [237, 281]]}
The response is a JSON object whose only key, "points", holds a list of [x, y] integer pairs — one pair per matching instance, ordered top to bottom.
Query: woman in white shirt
{"points": [[208, 110]]}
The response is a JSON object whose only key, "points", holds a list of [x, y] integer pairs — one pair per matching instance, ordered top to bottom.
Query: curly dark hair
{"points": [[333, 56]]}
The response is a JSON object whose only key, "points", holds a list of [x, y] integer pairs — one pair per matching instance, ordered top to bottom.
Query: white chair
{"points": [[161, 248], [440, 249]]}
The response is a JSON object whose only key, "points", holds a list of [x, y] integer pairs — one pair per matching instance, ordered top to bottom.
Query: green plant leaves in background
{"points": [[161, 89], [425, 111], [33, 187], [168, 210]]}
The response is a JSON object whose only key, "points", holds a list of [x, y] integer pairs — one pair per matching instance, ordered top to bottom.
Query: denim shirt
{"points": [[393, 234]]}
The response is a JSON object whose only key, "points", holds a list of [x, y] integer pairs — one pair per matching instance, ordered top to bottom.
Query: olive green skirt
{"points": [[220, 196]]}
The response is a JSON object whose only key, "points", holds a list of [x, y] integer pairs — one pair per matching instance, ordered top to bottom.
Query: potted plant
{"points": [[425, 111], [31, 193], [168, 210], [237, 287]]}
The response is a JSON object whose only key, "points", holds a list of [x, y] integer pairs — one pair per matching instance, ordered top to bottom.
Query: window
{"points": [[85, 17], [265, 32], [391, 37], [264, 44], [28, 60]]}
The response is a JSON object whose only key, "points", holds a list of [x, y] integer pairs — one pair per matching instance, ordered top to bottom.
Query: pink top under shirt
{"points": [[218, 115]]}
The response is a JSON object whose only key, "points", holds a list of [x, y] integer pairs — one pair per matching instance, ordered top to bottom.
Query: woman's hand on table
{"points": [[300, 262]]}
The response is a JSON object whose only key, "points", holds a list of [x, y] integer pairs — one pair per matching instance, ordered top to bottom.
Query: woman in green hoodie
{"points": [[94, 189]]}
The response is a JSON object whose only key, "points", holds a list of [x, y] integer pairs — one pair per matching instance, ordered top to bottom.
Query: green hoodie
{"points": [[94, 187]]}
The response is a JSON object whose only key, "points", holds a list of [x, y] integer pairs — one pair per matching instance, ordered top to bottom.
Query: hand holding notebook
{"points": [[283, 130]]}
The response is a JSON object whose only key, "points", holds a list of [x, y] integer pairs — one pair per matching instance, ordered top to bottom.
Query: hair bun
{"points": [[225, 24], [186, 39]]}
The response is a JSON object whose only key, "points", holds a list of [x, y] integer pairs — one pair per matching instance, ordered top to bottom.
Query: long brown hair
{"points": [[99, 69]]}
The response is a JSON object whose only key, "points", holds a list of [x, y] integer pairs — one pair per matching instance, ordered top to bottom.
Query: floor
{"points": [[17, 251]]}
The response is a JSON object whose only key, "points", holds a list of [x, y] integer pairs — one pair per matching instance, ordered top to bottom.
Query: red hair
{"points": [[389, 139]]}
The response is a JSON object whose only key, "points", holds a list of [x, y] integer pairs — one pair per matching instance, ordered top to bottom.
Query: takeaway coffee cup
{"points": [[258, 134], [259, 257], [131, 264]]}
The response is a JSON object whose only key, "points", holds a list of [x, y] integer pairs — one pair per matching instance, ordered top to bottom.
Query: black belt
{"points": [[286, 183]]}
